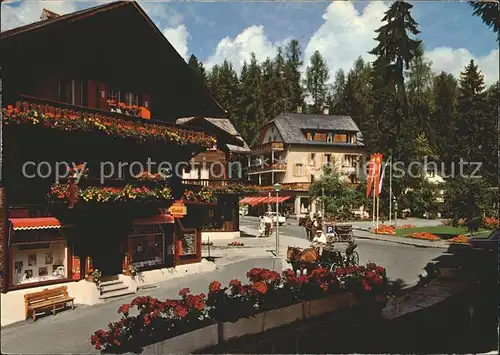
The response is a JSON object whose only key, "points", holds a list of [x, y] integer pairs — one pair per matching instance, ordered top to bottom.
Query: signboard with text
{"points": [[178, 210]]}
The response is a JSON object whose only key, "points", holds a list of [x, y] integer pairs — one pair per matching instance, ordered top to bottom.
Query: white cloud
{"points": [[20, 13], [346, 34], [178, 37], [237, 50], [453, 61]]}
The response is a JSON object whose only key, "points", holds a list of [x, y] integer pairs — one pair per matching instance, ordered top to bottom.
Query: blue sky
{"points": [[341, 31]]}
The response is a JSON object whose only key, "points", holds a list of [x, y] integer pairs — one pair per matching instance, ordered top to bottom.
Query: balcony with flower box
{"points": [[37, 112]]}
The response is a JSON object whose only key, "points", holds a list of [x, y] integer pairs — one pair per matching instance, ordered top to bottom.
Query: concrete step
{"points": [[108, 283], [113, 287], [118, 293]]}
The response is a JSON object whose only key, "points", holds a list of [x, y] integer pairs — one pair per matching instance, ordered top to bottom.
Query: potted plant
{"points": [[94, 276]]}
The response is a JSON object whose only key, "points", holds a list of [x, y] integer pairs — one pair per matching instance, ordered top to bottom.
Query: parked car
{"points": [[272, 215], [488, 243]]}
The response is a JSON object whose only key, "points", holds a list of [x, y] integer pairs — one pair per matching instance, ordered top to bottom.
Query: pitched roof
{"points": [[62, 18], [224, 124], [291, 126]]}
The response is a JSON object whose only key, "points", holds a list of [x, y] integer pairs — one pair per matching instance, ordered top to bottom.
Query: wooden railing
{"points": [[60, 109], [267, 147], [264, 168], [216, 182], [300, 186]]}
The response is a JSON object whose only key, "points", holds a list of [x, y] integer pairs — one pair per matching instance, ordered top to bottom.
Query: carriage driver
{"points": [[319, 241]]}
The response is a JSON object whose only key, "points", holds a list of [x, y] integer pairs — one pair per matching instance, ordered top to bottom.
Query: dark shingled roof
{"points": [[224, 124], [291, 126]]}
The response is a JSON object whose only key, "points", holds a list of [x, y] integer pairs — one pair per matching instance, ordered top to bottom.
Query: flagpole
{"points": [[390, 191], [373, 208], [378, 209]]}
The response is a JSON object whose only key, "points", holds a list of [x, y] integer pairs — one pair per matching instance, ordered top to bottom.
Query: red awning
{"points": [[283, 199], [245, 200], [258, 201], [158, 219], [35, 223]]}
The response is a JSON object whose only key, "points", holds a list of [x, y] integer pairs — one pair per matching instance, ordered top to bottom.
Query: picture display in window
{"points": [[146, 250]]}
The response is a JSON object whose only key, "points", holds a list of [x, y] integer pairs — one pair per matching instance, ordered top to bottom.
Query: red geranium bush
{"points": [[154, 320]]}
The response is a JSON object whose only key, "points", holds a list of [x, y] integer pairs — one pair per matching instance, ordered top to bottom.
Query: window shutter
{"points": [[295, 170]]}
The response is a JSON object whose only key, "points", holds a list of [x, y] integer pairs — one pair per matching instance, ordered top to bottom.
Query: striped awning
{"points": [[158, 219], [35, 223]]}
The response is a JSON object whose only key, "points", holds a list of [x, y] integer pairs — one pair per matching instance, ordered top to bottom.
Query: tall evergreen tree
{"points": [[396, 49], [198, 67], [292, 74], [316, 78], [419, 79], [223, 82], [279, 85], [251, 101], [337, 103], [473, 116], [443, 117]]}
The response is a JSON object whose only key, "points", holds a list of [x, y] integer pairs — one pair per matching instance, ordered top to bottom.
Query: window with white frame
{"points": [[114, 95]]}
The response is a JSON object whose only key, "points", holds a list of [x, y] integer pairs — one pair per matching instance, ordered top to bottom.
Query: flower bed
{"points": [[65, 120], [99, 194], [491, 223], [384, 229], [424, 236], [462, 239], [267, 291]]}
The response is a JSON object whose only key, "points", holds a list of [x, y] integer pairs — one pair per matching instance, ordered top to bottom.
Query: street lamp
{"points": [[277, 188]]}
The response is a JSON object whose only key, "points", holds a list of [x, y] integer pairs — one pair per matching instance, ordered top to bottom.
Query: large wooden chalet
{"points": [[98, 87]]}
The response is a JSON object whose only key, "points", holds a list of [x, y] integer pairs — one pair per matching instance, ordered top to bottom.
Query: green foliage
{"points": [[488, 11], [316, 77], [338, 198], [467, 198]]}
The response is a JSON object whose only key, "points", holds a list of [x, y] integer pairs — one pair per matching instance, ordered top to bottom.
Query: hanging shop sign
{"points": [[178, 209]]}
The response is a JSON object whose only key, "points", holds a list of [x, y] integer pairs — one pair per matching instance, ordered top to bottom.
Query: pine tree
{"points": [[396, 49], [198, 67], [292, 74], [316, 78], [223, 83], [279, 85], [270, 96], [251, 102], [337, 104], [444, 116], [472, 118]]}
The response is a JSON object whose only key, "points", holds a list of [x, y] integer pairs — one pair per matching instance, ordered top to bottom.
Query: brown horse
{"points": [[308, 225], [302, 258]]}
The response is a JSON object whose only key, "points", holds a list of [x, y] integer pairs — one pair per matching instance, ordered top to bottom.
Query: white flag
{"points": [[381, 179]]}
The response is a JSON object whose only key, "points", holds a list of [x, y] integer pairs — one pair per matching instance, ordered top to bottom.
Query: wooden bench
{"points": [[46, 300]]}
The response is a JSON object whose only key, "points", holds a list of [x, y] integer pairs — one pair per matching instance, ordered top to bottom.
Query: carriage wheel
{"points": [[353, 259]]}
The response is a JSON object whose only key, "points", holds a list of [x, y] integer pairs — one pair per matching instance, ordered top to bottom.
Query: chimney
{"points": [[48, 15], [299, 109], [326, 110]]}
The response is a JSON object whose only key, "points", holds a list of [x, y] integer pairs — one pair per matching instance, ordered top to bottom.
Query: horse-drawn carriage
{"points": [[339, 251]]}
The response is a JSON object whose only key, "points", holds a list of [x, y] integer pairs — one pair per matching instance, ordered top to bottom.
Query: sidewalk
{"points": [[69, 331]]}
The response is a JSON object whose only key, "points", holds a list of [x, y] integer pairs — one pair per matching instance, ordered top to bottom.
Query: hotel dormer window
{"points": [[329, 138]]}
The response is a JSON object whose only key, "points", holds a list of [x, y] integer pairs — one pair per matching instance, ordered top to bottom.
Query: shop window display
{"points": [[146, 246], [35, 260]]}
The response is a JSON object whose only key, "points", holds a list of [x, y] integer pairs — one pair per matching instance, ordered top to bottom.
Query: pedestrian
{"points": [[267, 222], [262, 226]]}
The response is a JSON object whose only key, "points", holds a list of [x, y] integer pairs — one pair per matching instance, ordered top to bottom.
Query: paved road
{"points": [[403, 262], [69, 331]]}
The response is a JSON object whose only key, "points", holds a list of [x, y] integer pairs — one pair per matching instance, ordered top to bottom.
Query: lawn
{"points": [[443, 232]]}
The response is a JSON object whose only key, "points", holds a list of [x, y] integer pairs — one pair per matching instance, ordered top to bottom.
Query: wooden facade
{"points": [[60, 76]]}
